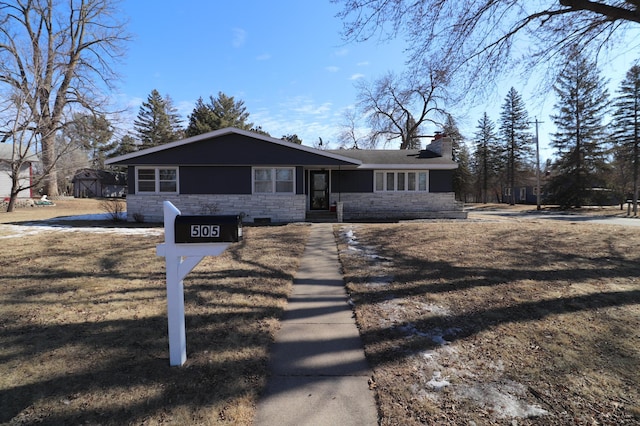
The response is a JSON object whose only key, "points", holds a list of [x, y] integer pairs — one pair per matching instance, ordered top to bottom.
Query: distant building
{"points": [[25, 175], [90, 183]]}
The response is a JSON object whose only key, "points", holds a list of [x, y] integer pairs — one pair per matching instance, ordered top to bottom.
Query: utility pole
{"points": [[537, 165]]}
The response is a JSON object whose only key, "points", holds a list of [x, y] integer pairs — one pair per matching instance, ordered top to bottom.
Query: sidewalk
{"points": [[319, 375]]}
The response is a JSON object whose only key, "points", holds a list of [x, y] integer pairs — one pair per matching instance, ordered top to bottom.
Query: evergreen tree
{"points": [[220, 112], [202, 119], [158, 121], [626, 123], [92, 134], [515, 137], [579, 140], [126, 145], [460, 154], [487, 156]]}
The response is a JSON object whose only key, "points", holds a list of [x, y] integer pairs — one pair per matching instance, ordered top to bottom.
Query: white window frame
{"points": [[156, 172], [397, 175], [274, 181], [523, 193]]}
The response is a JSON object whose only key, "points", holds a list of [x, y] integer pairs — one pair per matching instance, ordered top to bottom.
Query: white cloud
{"points": [[239, 37], [342, 52], [263, 57], [363, 64], [332, 68], [356, 76], [300, 115]]}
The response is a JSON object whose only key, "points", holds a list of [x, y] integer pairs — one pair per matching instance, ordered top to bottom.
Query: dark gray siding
{"points": [[233, 149], [131, 180], [215, 180], [300, 180], [441, 180], [352, 181]]}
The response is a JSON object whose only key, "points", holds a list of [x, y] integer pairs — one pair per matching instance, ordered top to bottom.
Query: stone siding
{"points": [[400, 205], [277, 208], [292, 208]]}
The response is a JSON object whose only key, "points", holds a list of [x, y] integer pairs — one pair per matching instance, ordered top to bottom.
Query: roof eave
{"points": [[451, 166]]}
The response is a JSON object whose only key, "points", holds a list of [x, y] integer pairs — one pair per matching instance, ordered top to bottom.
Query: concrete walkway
{"points": [[319, 375]]}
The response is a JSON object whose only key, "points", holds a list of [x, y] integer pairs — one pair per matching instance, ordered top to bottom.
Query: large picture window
{"points": [[156, 180], [274, 180], [402, 181]]}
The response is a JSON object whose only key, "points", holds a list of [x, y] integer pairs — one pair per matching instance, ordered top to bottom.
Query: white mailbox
{"points": [[207, 236]]}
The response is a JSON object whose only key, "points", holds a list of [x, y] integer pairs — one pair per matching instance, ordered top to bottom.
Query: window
{"points": [[156, 180], [273, 180], [402, 181], [523, 193]]}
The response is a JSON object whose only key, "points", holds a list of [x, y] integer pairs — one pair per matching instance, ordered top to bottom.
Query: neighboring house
{"points": [[232, 171], [25, 175], [89, 183], [523, 195]]}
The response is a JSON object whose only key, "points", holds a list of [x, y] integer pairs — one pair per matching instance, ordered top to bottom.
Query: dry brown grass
{"points": [[63, 207], [487, 323], [83, 331]]}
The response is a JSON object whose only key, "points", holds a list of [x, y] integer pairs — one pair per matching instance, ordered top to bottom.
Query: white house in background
{"points": [[26, 173]]}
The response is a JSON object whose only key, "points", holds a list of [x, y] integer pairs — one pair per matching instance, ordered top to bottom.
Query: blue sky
{"points": [[284, 58]]}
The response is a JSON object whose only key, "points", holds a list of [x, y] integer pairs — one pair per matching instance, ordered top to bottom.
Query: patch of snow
{"points": [[96, 216], [57, 225], [355, 248], [438, 382], [504, 399]]}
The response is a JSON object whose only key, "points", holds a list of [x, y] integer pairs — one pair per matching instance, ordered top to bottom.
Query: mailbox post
{"points": [[187, 239]]}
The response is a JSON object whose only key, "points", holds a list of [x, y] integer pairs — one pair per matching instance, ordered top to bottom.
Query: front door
{"points": [[319, 193]]}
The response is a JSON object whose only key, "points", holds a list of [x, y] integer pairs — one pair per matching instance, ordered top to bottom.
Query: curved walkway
{"points": [[319, 375]]}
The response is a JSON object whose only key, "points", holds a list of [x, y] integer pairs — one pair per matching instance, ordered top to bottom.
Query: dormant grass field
{"points": [[464, 322], [498, 323], [83, 329]]}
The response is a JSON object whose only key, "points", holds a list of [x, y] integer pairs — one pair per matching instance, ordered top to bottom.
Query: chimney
{"points": [[442, 145]]}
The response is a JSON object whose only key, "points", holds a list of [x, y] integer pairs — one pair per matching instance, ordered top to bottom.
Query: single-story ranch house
{"points": [[232, 171]]}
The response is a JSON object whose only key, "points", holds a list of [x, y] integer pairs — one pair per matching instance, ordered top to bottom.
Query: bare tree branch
{"points": [[476, 41], [59, 55]]}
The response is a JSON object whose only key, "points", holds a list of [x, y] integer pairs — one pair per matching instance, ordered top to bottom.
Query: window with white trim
{"points": [[155, 180], [274, 180], [402, 181]]}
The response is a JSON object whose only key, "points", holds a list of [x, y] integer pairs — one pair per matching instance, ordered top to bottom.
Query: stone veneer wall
{"points": [[400, 205], [278, 208]]}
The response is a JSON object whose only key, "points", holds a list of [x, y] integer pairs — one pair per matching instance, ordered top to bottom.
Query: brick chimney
{"points": [[442, 145]]}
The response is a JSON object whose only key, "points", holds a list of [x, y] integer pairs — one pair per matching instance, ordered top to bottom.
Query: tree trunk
{"points": [[48, 163]]}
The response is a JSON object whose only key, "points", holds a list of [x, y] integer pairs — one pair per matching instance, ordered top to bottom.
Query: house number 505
{"points": [[205, 231]]}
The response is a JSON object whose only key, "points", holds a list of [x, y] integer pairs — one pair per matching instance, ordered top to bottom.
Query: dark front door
{"points": [[319, 190]]}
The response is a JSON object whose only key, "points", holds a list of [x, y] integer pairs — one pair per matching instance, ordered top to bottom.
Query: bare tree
{"points": [[477, 40], [58, 56], [397, 107], [351, 135]]}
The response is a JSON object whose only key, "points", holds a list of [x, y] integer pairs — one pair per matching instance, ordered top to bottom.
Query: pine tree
{"points": [[220, 112], [202, 119], [158, 121], [626, 124], [92, 134], [515, 137], [579, 140], [126, 145], [460, 154], [487, 156]]}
